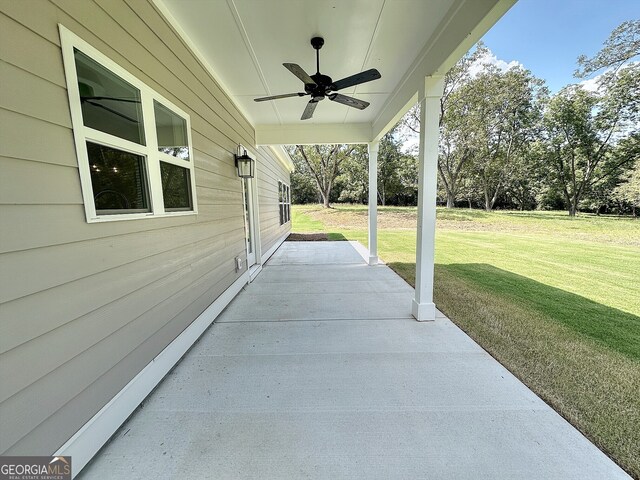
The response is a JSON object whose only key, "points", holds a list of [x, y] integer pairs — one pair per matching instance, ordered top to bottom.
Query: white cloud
{"points": [[490, 59], [593, 84], [590, 85]]}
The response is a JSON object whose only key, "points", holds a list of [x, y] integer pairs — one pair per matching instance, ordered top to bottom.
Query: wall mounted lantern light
{"points": [[244, 164]]}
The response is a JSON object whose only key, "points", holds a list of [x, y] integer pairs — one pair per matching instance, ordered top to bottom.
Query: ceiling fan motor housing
{"points": [[317, 42], [323, 82], [320, 86]]}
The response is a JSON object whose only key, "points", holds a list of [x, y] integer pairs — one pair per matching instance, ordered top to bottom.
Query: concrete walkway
{"points": [[317, 370]]}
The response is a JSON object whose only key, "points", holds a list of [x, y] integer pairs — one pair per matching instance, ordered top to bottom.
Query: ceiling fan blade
{"points": [[300, 73], [356, 79], [275, 97], [349, 101], [308, 111]]}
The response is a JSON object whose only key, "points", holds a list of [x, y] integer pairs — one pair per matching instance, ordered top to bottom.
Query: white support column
{"points": [[373, 203], [423, 307]]}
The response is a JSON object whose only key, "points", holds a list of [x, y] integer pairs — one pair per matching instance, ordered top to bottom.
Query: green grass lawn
{"points": [[555, 299]]}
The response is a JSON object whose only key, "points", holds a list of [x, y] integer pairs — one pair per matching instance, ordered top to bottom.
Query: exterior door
{"points": [[249, 221]]}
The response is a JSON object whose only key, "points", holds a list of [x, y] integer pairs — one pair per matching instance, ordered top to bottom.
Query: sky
{"points": [[546, 36]]}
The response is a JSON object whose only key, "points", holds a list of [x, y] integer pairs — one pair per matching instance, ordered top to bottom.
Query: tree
{"points": [[622, 45], [499, 118], [486, 119], [583, 128], [591, 134], [453, 155], [323, 163], [389, 163], [355, 176], [408, 178], [525, 181], [303, 187], [470, 191], [628, 191], [599, 198]]}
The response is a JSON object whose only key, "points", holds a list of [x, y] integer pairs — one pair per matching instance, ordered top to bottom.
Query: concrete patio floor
{"points": [[318, 370]]}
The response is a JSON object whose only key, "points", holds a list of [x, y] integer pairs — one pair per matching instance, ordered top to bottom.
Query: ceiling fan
{"points": [[321, 86]]}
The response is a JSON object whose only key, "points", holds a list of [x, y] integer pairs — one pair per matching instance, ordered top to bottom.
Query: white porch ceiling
{"points": [[245, 43]]}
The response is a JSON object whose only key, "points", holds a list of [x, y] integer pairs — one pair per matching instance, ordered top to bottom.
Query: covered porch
{"points": [[411, 45], [318, 370]]}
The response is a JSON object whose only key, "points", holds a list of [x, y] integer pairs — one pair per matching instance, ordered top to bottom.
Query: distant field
{"points": [[555, 299]]}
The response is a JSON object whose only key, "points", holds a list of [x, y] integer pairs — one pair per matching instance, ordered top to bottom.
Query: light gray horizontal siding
{"points": [[26, 49], [33, 96], [53, 144], [269, 171], [27, 182], [212, 196], [65, 223], [49, 267], [84, 307], [31, 316], [73, 337], [105, 355], [78, 409]]}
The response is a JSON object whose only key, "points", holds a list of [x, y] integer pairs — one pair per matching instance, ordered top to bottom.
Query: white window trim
{"points": [[153, 156], [288, 203], [284, 205], [280, 214]]}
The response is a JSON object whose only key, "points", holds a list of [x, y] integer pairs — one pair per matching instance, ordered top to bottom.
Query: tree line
{"points": [[506, 141]]}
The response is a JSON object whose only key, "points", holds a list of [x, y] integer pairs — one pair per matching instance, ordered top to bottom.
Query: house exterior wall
{"points": [[270, 171], [84, 307]]}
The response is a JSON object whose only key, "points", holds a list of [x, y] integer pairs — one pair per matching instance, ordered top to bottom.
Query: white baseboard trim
{"points": [[273, 249], [98, 430]]}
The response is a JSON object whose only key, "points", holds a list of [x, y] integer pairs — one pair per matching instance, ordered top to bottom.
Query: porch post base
{"points": [[373, 260], [423, 312]]}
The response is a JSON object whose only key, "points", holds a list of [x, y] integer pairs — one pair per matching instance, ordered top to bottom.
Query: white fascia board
{"points": [[457, 33], [312, 134], [282, 155]]}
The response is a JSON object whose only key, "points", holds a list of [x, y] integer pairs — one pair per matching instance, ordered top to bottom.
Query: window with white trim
{"points": [[134, 147], [284, 201], [288, 203]]}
